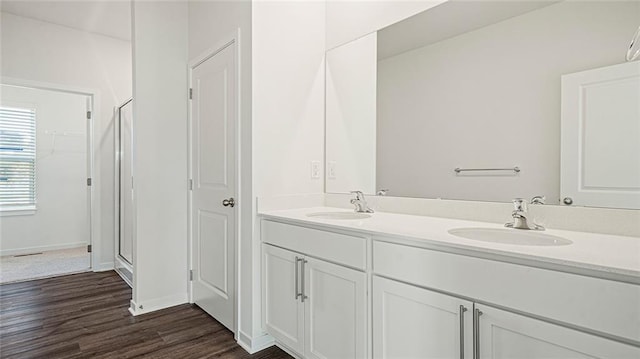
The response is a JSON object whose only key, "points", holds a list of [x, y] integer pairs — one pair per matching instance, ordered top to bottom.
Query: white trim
{"points": [[232, 38], [40, 85], [93, 159], [240, 198], [18, 211], [28, 250], [103, 267], [157, 304], [132, 307], [254, 345]]}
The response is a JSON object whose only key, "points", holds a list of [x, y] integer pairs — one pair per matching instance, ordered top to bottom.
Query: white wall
{"points": [[349, 19], [210, 24], [288, 45], [44, 52], [288, 95], [491, 98], [351, 116], [160, 157], [61, 219]]}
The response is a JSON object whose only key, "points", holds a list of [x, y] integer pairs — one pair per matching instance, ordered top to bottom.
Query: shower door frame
{"points": [[119, 259]]}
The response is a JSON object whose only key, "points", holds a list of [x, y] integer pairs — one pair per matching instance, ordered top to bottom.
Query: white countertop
{"points": [[601, 255]]}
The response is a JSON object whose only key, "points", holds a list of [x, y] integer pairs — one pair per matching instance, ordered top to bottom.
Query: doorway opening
{"points": [[45, 182]]}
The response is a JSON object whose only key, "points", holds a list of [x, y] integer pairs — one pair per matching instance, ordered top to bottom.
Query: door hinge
{"points": [[190, 94], [88, 115], [89, 181], [190, 185], [89, 248], [191, 275]]}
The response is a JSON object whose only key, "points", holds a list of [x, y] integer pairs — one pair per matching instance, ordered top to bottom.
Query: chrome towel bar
{"points": [[515, 169]]}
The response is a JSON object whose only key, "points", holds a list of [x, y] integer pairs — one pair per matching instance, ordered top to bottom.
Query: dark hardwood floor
{"points": [[85, 316]]}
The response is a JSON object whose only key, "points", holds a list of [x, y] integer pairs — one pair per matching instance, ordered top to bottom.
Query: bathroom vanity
{"points": [[473, 101], [337, 284]]}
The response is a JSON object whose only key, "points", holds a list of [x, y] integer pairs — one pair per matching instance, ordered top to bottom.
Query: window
{"points": [[17, 158]]}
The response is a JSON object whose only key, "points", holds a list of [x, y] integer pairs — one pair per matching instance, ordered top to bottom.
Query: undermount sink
{"points": [[339, 215], [510, 236]]}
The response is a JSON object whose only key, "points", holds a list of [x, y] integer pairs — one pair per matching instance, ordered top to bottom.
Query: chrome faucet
{"points": [[360, 203], [520, 214]]}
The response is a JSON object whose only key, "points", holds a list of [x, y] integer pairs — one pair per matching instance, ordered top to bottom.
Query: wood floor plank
{"points": [[86, 315]]}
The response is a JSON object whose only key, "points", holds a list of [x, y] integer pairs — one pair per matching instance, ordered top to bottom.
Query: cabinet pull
{"points": [[297, 276], [302, 294], [462, 310], [476, 333]]}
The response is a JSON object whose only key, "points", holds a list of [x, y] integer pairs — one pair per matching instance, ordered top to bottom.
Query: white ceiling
{"points": [[110, 18], [447, 20]]}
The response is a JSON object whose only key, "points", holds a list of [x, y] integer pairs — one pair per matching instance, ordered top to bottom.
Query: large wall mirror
{"points": [[481, 100]]}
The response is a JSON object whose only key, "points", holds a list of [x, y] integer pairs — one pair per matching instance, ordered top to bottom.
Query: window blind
{"points": [[17, 158]]}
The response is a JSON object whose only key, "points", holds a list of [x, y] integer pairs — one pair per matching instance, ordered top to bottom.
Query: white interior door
{"points": [[601, 137], [213, 170]]}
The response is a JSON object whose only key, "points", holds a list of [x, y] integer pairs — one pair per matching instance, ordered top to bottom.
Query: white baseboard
{"points": [[37, 249], [103, 267], [158, 303], [132, 307], [254, 345], [288, 351]]}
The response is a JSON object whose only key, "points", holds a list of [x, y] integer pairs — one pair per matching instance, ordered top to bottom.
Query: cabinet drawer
{"points": [[334, 247], [596, 304]]}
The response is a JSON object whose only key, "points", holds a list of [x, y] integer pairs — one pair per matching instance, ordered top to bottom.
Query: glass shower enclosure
{"points": [[124, 191]]}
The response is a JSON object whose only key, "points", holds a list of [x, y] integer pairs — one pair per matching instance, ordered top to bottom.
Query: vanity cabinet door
{"points": [[283, 310], [335, 311], [412, 322], [505, 335]]}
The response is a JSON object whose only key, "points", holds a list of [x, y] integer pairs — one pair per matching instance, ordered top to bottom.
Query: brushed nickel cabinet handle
{"points": [[296, 279], [302, 293], [462, 310], [476, 333]]}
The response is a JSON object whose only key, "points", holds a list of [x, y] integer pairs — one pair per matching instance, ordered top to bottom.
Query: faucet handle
{"points": [[359, 195], [538, 200], [519, 204]]}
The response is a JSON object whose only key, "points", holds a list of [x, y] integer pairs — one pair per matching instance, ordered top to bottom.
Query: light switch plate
{"points": [[315, 169], [331, 171]]}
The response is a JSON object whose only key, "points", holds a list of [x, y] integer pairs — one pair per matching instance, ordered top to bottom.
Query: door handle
{"points": [[229, 202]]}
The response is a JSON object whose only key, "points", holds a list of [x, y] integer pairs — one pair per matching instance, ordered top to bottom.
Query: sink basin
{"points": [[339, 215], [510, 236]]}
